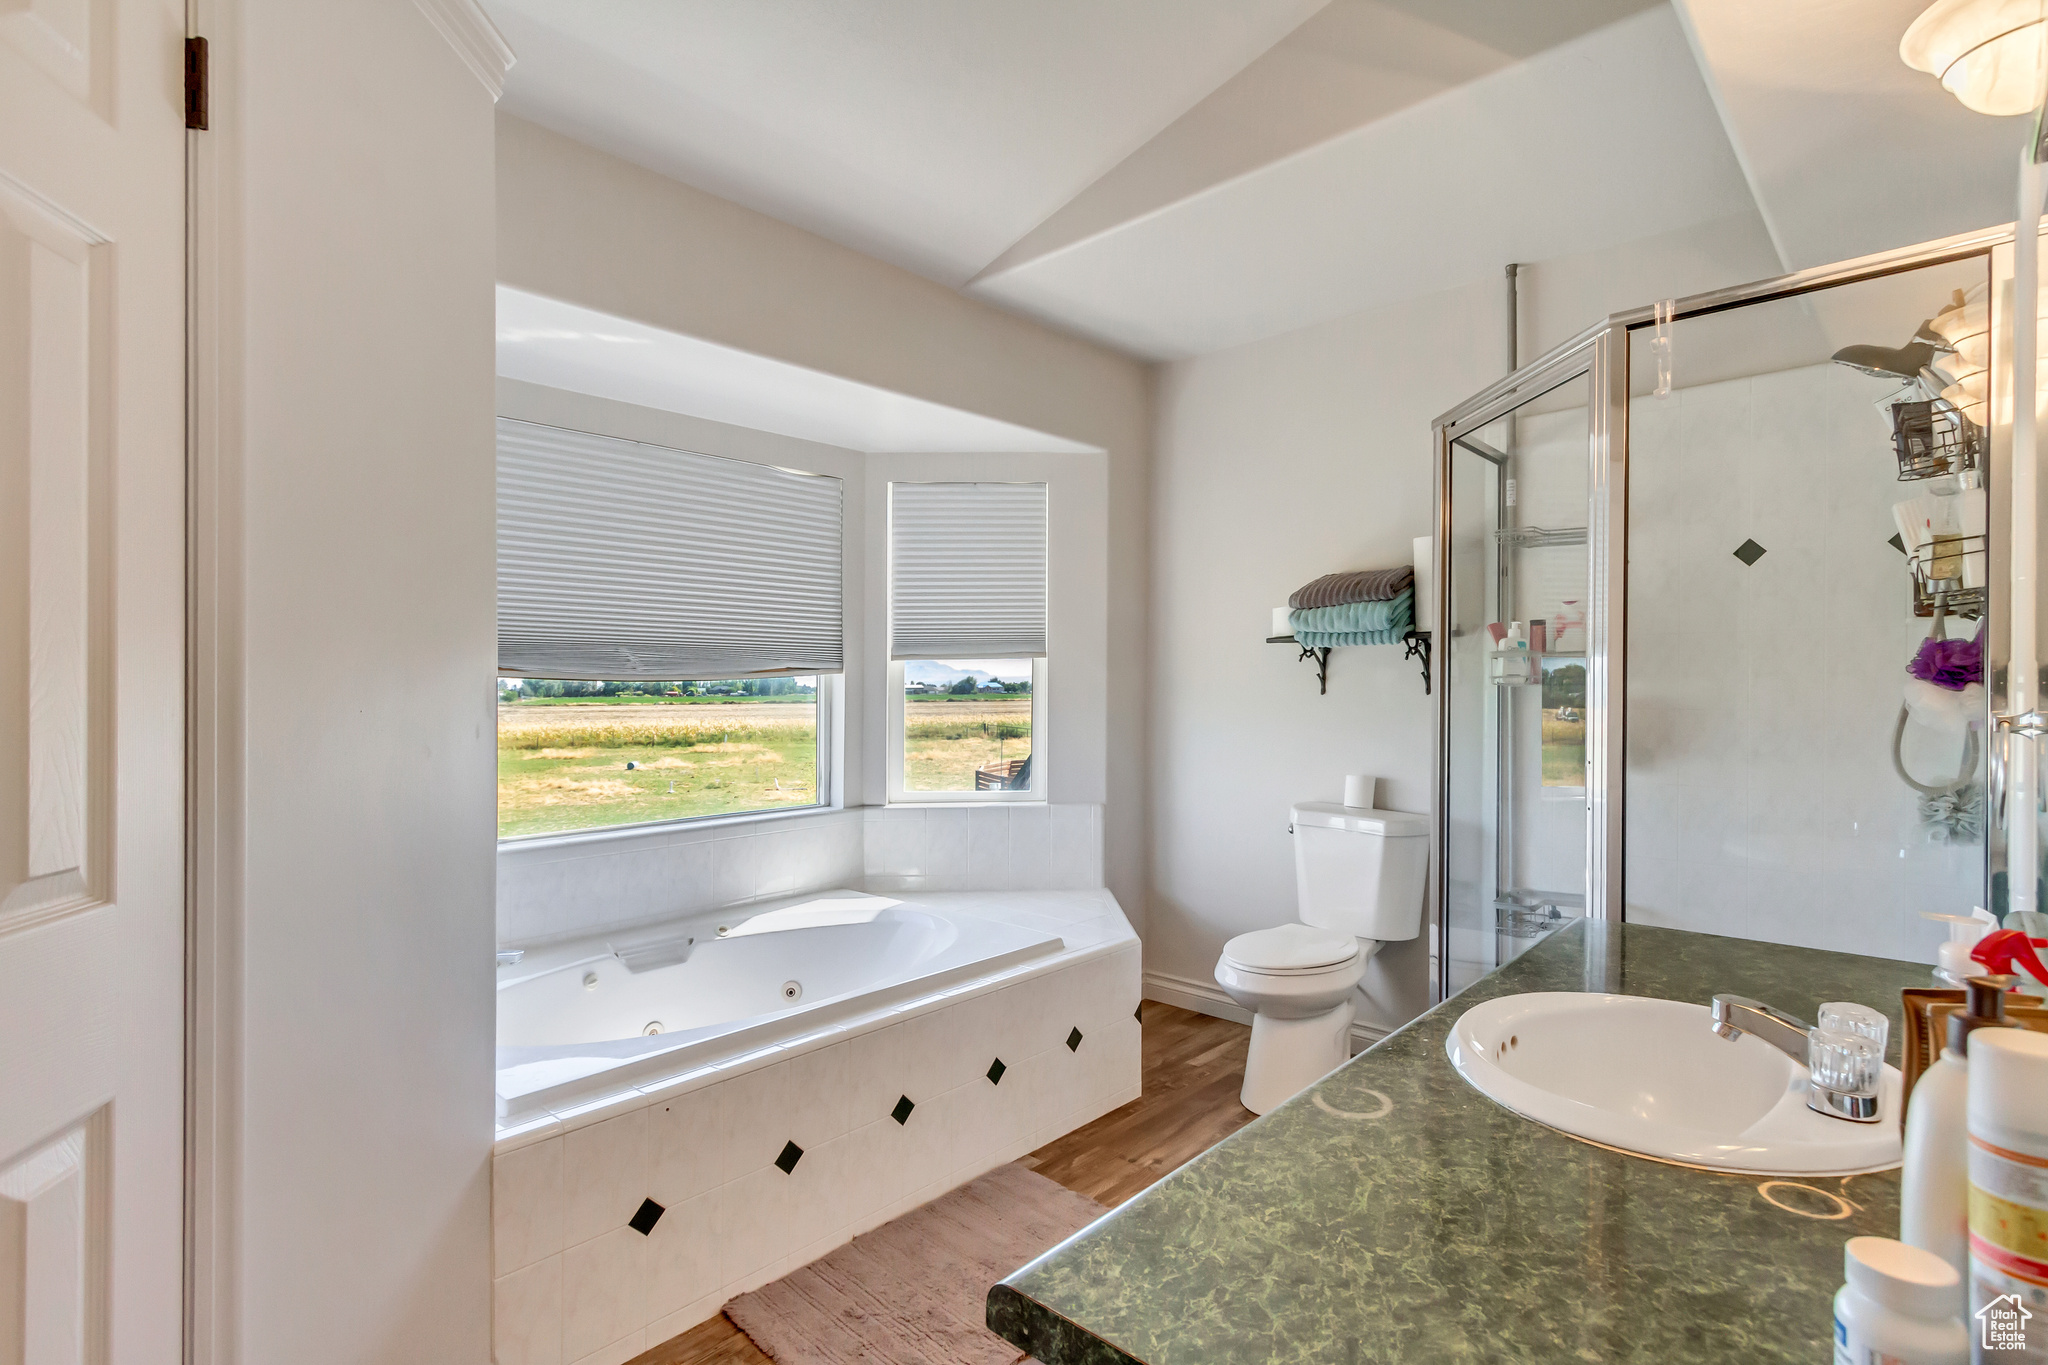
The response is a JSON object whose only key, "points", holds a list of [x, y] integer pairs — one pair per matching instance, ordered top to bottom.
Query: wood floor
{"points": [[1193, 1068]]}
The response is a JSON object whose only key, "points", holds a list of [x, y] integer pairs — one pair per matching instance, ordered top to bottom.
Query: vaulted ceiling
{"points": [[1177, 176]]}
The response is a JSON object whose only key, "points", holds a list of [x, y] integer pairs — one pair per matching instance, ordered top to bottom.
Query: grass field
{"points": [[946, 738], [1564, 751], [562, 760]]}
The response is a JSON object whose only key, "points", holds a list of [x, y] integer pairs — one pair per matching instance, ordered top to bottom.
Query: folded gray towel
{"points": [[1359, 585]]}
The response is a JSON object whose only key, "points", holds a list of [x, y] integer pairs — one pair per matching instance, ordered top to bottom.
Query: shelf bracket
{"points": [[1416, 644], [1322, 661]]}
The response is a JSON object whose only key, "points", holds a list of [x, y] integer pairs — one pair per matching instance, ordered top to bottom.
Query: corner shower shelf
{"points": [[1539, 537], [1415, 645]]}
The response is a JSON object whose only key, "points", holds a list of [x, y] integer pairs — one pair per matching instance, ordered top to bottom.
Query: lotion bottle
{"points": [[1934, 1186]]}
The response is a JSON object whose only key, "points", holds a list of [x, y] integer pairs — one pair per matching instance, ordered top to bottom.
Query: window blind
{"points": [[620, 560], [967, 570]]}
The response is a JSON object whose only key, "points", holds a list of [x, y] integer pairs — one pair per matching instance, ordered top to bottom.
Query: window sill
{"points": [[708, 825]]}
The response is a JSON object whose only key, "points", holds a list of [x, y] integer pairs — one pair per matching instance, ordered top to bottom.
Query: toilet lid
{"points": [[1290, 948]]}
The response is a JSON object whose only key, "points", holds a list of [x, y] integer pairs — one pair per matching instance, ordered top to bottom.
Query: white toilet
{"points": [[1359, 875]]}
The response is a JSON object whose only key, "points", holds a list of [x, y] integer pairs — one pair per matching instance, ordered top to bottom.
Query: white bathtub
{"points": [[577, 1020], [957, 1031]]}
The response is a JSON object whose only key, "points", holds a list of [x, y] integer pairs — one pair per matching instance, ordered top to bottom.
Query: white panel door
{"points": [[92, 572]]}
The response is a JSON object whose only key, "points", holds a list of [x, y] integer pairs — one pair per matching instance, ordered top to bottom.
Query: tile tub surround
{"points": [[551, 889], [766, 1162], [1393, 1213]]}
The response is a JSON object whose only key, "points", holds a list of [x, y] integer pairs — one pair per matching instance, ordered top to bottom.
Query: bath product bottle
{"points": [[1952, 961], [1934, 1186], [2009, 1196], [1897, 1307]]}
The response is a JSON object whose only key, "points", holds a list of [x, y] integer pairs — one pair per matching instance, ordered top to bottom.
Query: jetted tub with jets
{"points": [[601, 1014], [823, 1065]]}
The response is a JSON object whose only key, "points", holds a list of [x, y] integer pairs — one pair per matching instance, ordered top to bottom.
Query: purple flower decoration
{"points": [[1953, 664]]}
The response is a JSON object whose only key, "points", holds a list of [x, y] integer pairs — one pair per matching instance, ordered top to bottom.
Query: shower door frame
{"points": [[1601, 352]]}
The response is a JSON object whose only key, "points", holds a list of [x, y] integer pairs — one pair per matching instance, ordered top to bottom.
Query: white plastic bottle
{"points": [[1934, 1185], [2009, 1196], [1898, 1307]]}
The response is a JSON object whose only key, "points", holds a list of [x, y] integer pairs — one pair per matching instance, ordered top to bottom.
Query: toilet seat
{"points": [[1291, 950]]}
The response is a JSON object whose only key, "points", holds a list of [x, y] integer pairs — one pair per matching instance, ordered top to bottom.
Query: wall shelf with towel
{"points": [[1359, 607], [1415, 645]]}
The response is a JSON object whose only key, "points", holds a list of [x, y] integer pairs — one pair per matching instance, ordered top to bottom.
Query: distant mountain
{"points": [[932, 671]]}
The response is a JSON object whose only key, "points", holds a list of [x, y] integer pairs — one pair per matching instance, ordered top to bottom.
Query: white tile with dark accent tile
{"points": [[604, 1177], [751, 1215], [682, 1256]]}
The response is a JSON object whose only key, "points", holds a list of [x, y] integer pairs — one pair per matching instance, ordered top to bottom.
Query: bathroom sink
{"points": [[1651, 1077]]}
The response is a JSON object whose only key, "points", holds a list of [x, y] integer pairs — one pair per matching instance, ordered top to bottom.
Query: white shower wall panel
{"points": [[1761, 798]]}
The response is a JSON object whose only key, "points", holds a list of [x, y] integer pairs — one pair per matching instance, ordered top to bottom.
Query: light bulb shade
{"points": [[1987, 53], [1960, 322], [1971, 353]]}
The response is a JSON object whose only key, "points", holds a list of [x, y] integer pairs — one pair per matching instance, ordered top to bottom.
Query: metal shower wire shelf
{"points": [[1932, 438], [1538, 537], [1946, 556]]}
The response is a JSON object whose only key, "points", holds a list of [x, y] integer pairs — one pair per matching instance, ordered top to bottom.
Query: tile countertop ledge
{"points": [[1392, 1213]]}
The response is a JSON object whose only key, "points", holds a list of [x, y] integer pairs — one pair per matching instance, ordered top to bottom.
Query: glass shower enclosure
{"points": [[1721, 620]]}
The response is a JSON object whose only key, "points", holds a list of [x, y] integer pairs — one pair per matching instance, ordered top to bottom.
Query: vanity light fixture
{"points": [[1987, 53]]}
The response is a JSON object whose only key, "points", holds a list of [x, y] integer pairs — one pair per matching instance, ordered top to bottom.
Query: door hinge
{"points": [[195, 83]]}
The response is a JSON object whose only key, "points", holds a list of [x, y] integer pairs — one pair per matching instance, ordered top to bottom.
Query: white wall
{"points": [[578, 225], [1293, 457], [344, 583]]}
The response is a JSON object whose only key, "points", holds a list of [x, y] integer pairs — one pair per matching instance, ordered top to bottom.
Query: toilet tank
{"points": [[1360, 872]]}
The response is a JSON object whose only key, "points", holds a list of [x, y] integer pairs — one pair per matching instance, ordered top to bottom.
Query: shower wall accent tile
{"points": [[733, 1220]]}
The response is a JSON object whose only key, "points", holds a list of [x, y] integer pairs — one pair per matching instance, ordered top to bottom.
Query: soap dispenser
{"points": [[1934, 1187]]}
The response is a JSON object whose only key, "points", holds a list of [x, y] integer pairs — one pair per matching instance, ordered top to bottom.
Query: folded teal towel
{"points": [[1376, 619], [1315, 639]]}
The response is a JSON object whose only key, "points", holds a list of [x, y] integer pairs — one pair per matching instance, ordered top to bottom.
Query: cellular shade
{"points": [[621, 560], [967, 570]]}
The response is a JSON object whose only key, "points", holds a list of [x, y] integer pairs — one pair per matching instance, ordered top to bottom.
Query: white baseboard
{"points": [[1206, 997]]}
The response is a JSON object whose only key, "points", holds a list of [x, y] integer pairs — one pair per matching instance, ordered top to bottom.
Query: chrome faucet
{"points": [[1735, 1015]]}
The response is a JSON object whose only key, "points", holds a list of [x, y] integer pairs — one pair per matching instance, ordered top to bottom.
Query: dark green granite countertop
{"points": [[1392, 1213]]}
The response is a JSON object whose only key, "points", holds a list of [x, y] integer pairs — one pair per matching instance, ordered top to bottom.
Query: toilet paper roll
{"points": [[1425, 561], [1280, 624], [1358, 791]]}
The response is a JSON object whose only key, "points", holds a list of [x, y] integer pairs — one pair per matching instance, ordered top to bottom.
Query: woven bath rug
{"points": [[912, 1291]]}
